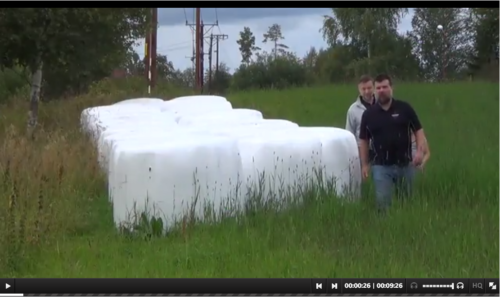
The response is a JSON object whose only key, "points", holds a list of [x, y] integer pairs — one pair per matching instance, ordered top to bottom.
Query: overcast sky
{"points": [[300, 27]]}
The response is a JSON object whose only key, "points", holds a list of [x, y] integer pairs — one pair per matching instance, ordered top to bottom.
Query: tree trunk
{"points": [[369, 50], [369, 56], [36, 83]]}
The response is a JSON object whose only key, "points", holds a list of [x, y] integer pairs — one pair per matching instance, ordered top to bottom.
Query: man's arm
{"points": [[350, 123], [416, 127], [364, 137], [427, 152]]}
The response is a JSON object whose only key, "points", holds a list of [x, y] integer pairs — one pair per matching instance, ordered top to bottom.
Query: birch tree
{"points": [[361, 26], [41, 38]]}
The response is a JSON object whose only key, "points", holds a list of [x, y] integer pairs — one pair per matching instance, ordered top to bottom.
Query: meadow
{"points": [[56, 221]]}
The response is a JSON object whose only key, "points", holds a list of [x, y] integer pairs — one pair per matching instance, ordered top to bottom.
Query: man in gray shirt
{"points": [[365, 99]]}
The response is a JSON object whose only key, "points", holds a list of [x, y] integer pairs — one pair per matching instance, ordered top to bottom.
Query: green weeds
{"points": [[56, 221]]}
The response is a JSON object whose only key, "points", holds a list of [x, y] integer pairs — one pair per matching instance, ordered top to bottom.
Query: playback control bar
{"points": [[249, 286]]}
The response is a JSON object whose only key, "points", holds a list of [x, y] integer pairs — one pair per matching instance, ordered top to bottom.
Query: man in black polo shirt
{"points": [[388, 125]]}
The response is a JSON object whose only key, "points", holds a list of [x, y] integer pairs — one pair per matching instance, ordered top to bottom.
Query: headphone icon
{"points": [[460, 285], [413, 286]]}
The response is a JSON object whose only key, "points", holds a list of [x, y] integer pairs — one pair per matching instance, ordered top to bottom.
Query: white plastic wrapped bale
{"points": [[213, 99], [149, 102], [196, 105], [97, 111], [130, 112], [90, 116], [222, 117], [133, 119], [99, 120], [116, 120], [120, 121], [273, 123], [222, 128], [143, 130], [117, 141], [340, 159], [275, 161], [157, 178]]}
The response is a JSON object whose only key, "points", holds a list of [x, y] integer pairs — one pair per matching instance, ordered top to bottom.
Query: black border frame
{"points": [[257, 4], [248, 286]]}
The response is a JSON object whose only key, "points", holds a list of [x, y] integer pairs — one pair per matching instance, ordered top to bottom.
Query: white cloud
{"points": [[301, 33]]}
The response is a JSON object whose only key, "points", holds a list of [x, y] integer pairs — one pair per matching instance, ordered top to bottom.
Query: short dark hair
{"points": [[381, 77], [364, 79]]}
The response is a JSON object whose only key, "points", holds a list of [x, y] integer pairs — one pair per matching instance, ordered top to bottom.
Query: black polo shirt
{"points": [[390, 132]]}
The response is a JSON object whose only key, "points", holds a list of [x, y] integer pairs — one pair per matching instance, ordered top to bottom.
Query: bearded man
{"points": [[389, 125]]}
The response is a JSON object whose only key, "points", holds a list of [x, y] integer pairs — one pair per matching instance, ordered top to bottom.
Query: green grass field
{"points": [[56, 220]]}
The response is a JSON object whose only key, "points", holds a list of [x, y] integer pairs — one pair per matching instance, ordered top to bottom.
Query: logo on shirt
{"points": [[395, 115]]}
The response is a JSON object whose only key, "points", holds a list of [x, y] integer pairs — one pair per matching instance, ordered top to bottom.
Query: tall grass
{"points": [[55, 219]]}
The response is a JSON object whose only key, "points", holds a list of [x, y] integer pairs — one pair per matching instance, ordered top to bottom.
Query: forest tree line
{"points": [[58, 52]]}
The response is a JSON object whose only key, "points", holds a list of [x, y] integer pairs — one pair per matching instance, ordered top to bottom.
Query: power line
{"points": [[185, 15]]}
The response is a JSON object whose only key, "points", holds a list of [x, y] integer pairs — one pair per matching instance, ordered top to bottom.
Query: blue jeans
{"points": [[386, 178]]}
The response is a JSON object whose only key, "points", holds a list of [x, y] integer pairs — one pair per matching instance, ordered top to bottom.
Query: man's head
{"points": [[365, 87], [383, 88]]}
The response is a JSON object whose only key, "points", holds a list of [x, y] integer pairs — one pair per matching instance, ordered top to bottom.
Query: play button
{"points": [[8, 286]]}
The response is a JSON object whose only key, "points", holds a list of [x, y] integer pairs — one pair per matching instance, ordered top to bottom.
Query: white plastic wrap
{"points": [[204, 99], [150, 102], [196, 105], [90, 116], [226, 117], [96, 120], [146, 120], [273, 123], [242, 126], [141, 132], [116, 142], [153, 150], [340, 159], [275, 160], [283, 161], [179, 176]]}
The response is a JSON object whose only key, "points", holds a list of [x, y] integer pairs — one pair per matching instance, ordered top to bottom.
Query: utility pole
{"points": [[218, 37], [198, 44], [154, 45], [147, 47], [150, 51], [198, 51], [199, 54], [202, 58], [210, 64]]}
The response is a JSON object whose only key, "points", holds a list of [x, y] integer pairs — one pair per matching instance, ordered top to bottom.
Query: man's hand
{"points": [[418, 158], [424, 161], [365, 171]]}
